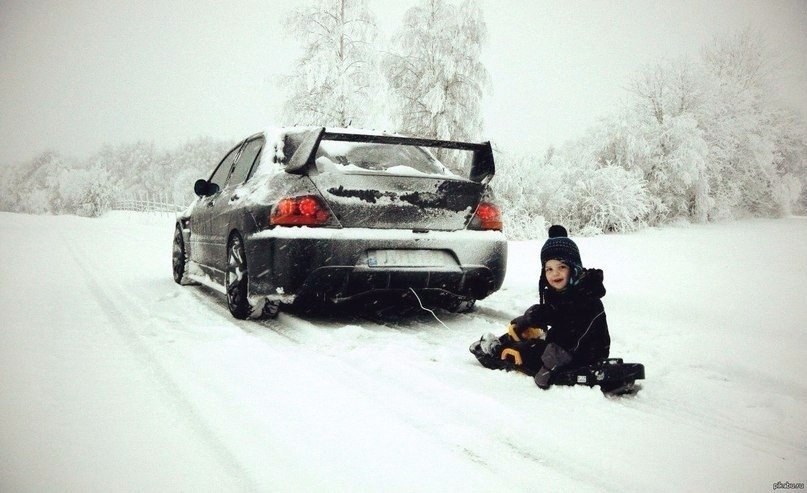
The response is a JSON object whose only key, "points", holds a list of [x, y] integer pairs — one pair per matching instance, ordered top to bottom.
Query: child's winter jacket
{"points": [[574, 319]]}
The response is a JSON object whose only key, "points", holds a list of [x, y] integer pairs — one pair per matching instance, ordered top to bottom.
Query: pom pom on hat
{"points": [[556, 230], [560, 247]]}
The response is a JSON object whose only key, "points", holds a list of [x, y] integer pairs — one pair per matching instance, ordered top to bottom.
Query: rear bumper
{"points": [[332, 264], [337, 284]]}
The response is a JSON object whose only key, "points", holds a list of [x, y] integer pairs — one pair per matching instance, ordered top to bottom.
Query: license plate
{"points": [[410, 258]]}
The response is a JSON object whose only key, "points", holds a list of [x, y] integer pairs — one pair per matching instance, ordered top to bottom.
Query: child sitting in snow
{"points": [[567, 329]]}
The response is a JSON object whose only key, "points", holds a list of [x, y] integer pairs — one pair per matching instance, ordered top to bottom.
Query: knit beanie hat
{"points": [[560, 247]]}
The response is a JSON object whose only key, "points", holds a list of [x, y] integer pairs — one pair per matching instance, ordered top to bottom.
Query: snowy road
{"points": [[113, 378]]}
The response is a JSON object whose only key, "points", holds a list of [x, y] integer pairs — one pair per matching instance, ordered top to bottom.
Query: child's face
{"points": [[557, 274]]}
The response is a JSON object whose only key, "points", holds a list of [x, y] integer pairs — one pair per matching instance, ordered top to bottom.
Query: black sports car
{"points": [[309, 215]]}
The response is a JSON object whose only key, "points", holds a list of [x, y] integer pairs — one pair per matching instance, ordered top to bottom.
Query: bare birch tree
{"points": [[435, 76], [335, 82]]}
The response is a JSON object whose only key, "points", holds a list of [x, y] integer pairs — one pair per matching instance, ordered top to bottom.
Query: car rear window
{"points": [[356, 157]]}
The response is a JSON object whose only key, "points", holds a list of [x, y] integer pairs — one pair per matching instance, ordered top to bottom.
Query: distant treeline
{"points": [[53, 184]]}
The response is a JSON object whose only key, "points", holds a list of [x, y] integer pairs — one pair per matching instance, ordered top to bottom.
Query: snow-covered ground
{"points": [[113, 378]]}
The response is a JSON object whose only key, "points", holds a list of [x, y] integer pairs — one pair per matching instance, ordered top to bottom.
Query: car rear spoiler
{"points": [[306, 144]]}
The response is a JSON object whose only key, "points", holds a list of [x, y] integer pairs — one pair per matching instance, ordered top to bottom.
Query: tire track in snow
{"points": [[279, 327], [308, 340], [161, 377], [357, 380], [438, 406]]}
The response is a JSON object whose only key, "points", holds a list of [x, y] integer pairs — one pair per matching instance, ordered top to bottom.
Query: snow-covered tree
{"points": [[741, 62], [434, 71], [336, 81], [706, 137], [667, 144], [756, 148], [790, 162], [72, 184], [32, 186], [524, 187], [570, 187], [600, 195], [97, 199], [608, 199]]}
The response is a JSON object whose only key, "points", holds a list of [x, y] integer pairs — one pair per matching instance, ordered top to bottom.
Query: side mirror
{"points": [[201, 187]]}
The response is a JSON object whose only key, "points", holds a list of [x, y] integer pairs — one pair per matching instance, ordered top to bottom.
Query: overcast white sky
{"points": [[76, 74]]}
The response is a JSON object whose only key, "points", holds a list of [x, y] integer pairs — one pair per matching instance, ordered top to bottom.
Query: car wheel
{"points": [[179, 259], [237, 279]]}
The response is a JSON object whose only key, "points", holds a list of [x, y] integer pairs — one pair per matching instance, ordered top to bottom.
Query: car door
{"points": [[228, 210], [201, 227]]}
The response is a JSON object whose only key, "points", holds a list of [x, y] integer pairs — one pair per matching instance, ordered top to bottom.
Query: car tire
{"points": [[179, 259], [236, 279]]}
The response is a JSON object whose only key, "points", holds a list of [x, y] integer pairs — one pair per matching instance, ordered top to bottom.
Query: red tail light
{"points": [[307, 210], [487, 216]]}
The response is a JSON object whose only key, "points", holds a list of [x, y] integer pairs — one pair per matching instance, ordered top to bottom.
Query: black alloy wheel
{"points": [[179, 258], [237, 279]]}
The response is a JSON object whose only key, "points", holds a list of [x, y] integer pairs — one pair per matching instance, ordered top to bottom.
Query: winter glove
{"points": [[590, 283], [535, 316], [520, 323], [527, 334], [554, 357]]}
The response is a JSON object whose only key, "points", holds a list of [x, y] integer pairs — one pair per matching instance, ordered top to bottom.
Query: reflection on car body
{"points": [[310, 216]]}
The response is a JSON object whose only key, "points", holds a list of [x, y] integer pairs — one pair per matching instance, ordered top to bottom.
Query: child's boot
{"points": [[488, 351], [553, 358]]}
